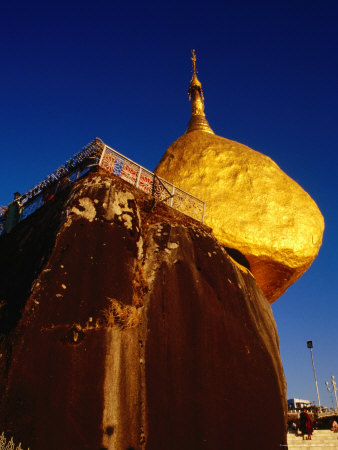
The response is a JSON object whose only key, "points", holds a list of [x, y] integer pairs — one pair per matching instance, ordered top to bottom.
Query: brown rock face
{"points": [[124, 329]]}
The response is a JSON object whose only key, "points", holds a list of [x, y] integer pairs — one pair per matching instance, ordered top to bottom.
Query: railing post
{"points": [[102, 154], [138, 176], [172, 198], [203, 212]]}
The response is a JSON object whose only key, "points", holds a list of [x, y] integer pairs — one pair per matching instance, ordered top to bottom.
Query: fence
{"points": [[98, 153], [73, 169], [148, 182]]}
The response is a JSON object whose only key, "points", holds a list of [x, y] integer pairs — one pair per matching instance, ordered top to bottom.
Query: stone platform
{"points": [[321, 439]]}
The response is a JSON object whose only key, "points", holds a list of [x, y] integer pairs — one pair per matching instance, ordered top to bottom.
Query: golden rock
{"points": [[251, 204]]}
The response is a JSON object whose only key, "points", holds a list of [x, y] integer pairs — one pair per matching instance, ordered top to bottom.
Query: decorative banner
{"points": [[108, 162], [129, 173], [146, 183]]}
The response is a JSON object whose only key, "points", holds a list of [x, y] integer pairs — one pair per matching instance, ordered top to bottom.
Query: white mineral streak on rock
{"points": [[97, 181], [115, 204], [87, 210], [128, 221], [139, 244], [172, 245], [156, 254], [152, 259], [111, 387], [121, 410]]}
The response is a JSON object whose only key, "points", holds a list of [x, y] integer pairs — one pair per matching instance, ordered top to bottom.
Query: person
{"points": [[13, 213], [305, 424], [334, 427]]}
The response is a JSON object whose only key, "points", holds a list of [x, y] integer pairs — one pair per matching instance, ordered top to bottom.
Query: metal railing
{"points": [[97, 153], [73, 169], [148, 182]]}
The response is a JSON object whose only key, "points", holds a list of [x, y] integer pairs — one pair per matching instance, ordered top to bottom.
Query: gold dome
{"points": [[251, 204]]}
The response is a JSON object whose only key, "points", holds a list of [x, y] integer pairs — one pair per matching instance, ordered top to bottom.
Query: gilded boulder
{"points": [[251, 205]]}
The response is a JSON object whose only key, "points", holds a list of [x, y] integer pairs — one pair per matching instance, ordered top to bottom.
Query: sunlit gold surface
{"points": [[198, 120], [251, 204]]}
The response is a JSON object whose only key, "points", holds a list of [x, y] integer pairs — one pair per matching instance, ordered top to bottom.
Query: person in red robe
{"points": [[305, 425]]}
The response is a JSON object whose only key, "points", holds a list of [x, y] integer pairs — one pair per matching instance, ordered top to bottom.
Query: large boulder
{"points": [[251, 205], [129, 329]]}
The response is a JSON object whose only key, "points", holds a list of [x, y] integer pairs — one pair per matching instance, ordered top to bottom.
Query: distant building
{"points": [[298, 403]]}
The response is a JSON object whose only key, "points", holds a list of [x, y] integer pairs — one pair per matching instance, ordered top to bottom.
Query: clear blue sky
{"points": [[71, 71]]}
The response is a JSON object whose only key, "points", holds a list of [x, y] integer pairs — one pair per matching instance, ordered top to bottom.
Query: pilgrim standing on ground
{"points": [[305, 425]]}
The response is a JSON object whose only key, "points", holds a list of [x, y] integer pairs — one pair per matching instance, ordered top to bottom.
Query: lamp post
{"points": [[310, 346], [334, 388]]}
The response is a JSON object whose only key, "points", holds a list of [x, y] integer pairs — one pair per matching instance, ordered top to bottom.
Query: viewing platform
{"points": [[95, 154]]}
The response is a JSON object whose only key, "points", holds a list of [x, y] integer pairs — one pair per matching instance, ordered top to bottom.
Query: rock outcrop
{"points": [[251, 205], [123, 329]]}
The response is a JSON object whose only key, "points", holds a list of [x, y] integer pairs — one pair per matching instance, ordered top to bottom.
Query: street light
{"points": [[310, 346], [334, 388]]}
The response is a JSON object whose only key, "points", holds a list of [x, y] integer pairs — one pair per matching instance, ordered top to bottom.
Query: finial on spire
{"points": [[193, 59], [195, 83], [195, 92]]}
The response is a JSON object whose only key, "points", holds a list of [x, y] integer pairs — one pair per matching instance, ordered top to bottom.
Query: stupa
{"points": [[251, 204]]}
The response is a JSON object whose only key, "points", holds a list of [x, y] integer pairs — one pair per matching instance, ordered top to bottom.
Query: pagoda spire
{"points": [[198, 121]]}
